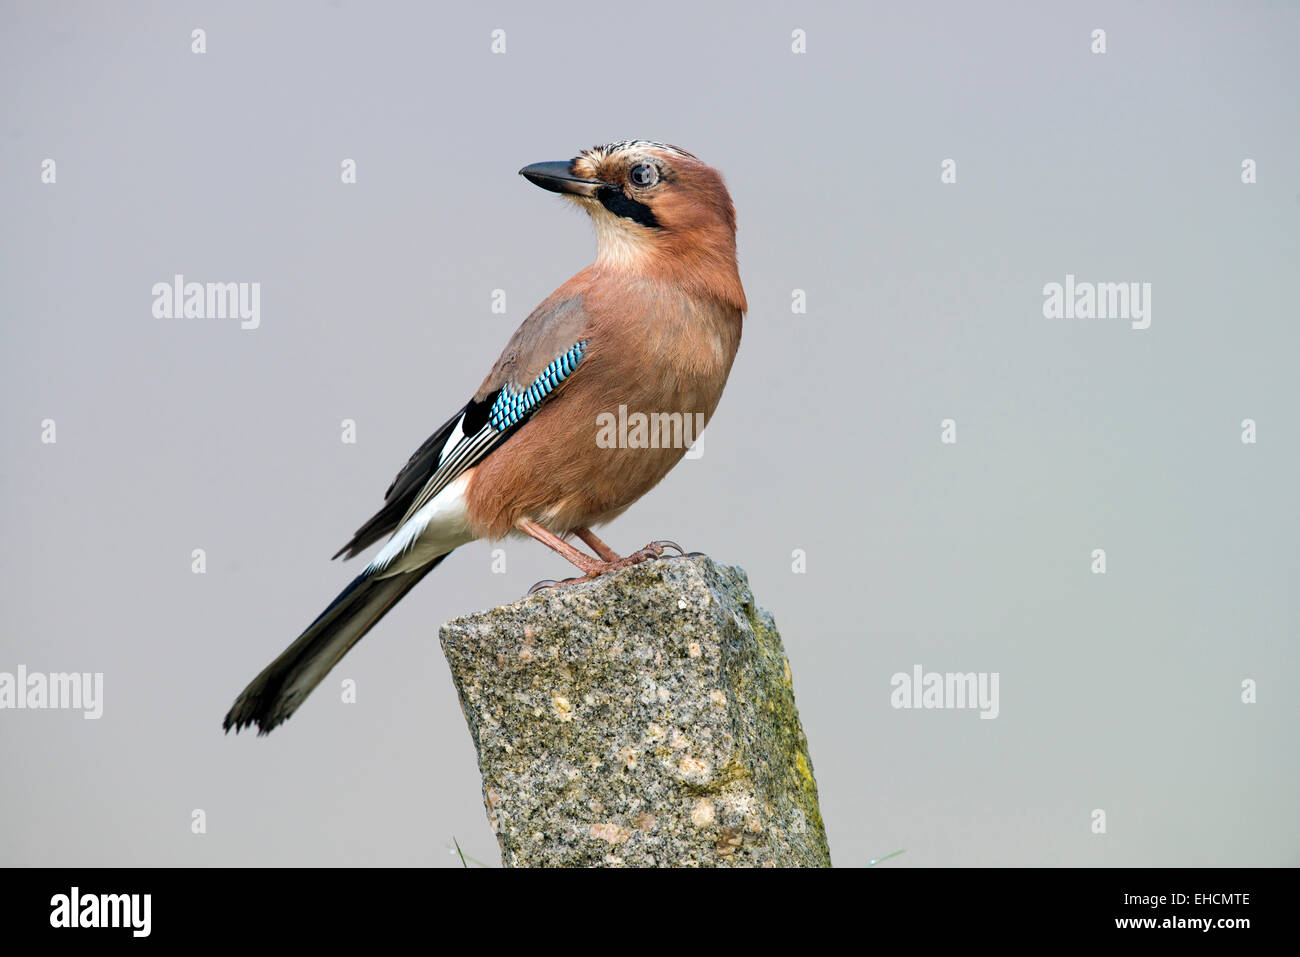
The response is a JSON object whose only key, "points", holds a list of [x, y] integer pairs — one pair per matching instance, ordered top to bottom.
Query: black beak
{"points": [[558, 178]]}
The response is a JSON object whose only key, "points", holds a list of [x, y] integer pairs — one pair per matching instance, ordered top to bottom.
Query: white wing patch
{"points": [[457, 434], [435, 529]]}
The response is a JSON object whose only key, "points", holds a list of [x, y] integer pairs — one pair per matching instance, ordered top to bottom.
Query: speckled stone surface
{"points": [[645, 718]]}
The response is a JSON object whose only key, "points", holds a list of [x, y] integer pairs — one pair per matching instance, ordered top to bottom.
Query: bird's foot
{"points": [[651, 551], [681, 552], [593, 569]]}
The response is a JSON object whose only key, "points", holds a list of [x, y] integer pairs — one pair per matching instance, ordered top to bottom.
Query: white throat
{"points": [[620, 243]]}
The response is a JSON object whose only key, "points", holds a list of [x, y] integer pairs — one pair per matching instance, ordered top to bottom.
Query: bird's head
{"points": [[658, 211]]}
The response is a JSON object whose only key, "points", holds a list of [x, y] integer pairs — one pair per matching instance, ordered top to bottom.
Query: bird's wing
{"points": [[544, 351], [413, 476]]}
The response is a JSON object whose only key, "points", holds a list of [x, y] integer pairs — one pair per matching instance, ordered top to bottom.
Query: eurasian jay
{"points": [[653, 325]]}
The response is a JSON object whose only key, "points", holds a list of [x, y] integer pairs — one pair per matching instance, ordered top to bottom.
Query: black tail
{"points": [[274, 695]]}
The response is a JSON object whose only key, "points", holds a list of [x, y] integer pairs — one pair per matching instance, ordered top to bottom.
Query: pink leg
{"points": [[600, 548], [589, 566]]}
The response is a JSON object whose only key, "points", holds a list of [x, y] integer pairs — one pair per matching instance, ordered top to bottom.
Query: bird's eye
{"points": [[644, 175]]}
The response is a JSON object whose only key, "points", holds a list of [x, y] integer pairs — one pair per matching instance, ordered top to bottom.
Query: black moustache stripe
{"points": [[618, 203]]}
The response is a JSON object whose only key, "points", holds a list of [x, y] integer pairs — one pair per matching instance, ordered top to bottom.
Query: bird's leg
{"points": [[600, 548], [653, 550], [586, 564], [589, 566]]}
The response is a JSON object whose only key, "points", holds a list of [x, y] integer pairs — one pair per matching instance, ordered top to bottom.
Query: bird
{"points": [[652, 325]]}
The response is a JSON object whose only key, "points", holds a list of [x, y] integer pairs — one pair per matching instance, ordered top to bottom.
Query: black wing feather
{"points": [[414, 476]]}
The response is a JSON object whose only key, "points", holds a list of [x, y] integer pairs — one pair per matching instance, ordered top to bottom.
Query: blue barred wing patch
{"points": [[511, 407]]}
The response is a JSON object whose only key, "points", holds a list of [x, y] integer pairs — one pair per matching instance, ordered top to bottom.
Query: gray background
{"points": [[1118, 692]]}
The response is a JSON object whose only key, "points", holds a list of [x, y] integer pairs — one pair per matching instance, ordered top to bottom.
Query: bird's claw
{"points": [[658, 547], [649, 552], [546, 583]]}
